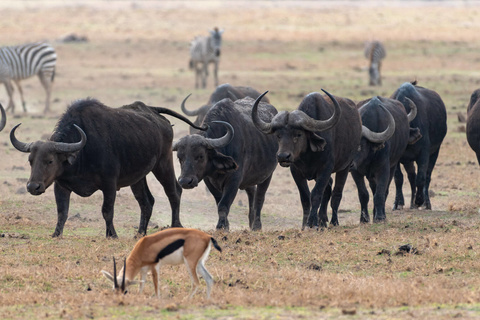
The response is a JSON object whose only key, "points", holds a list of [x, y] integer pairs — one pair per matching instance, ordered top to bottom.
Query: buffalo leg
{"points": [[431, 165], [422, 166], [410, 169], [165, 174], [382, 181], [304, 192], [327, 194], [337, 194], [109, 195], [363, 196], [62, 198], [316, 198], [399, 199], [145, 201], [258, 203], [224, 205], [251, 205]]}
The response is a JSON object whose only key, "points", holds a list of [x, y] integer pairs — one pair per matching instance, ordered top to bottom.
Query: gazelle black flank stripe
{"points": [[171, 248]]}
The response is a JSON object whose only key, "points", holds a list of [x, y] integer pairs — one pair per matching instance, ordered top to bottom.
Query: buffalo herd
{"points": [[238, 141]]}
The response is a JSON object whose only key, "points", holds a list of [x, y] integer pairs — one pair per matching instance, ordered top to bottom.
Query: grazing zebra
{"points": [[204, 50], [375, 52], [24, 61]]}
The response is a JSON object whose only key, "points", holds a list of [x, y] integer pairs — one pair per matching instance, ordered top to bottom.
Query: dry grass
{"points": [[139, 51]]}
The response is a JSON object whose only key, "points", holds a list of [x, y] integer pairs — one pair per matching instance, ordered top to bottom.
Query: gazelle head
{"points": [[116, 279]]}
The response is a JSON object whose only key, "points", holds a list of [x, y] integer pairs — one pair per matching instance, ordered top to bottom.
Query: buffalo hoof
{"points": [[397, 207], [364, 218], [380, 220], [334, 222], [324, 224], [177, 225], [223, 225], [257, 226], [56, 234]]}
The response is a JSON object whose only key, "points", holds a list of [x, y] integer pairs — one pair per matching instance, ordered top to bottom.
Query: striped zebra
{"points": [[205, 50], [375, 52], [24, 61]]}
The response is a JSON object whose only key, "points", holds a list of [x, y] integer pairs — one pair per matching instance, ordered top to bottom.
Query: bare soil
{"points": [[139, 51]]}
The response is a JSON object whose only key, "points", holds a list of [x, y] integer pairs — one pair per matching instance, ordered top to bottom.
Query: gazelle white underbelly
{"points": [[173, 258]]}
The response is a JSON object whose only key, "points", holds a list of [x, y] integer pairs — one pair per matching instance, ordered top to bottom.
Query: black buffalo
{"points": [[221, 92], [431, 119], [3, 121], [473, 123], [385, 135], [94, 147], [314, 149], [232, 154]]}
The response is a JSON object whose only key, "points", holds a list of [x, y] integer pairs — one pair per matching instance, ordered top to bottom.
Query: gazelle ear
{"points": [[107, 275]]}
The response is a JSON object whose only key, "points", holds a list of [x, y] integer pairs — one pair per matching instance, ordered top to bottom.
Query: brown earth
{"points": [[139, 51]]}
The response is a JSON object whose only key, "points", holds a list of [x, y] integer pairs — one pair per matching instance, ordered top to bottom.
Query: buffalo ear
{"points": [[414, 136], [317, 143], [378, 146], [223, 163]]}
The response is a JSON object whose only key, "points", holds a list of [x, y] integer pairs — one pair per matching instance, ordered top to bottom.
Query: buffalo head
{"points": [[296, 131], [198, 157], [47, 159]]}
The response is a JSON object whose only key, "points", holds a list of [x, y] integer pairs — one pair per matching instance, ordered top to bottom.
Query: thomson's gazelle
{"points": [[168, 247]]}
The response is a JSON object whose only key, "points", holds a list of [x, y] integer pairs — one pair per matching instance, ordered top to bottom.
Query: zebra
{"points": [[204, 50], [375, 52], [24, 61]]}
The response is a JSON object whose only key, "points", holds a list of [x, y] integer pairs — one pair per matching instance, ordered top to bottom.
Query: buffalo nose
{"points": [[284, 157], [188, 183], [35, 188]]}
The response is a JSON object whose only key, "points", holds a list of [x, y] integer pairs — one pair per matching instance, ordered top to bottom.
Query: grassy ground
{"points": [[139, 51]]}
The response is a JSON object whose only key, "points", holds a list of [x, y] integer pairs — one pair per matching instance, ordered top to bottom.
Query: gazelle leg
{"points": [[205, 275], [193, 277]]}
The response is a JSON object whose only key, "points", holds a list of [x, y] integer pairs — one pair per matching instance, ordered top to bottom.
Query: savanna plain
{"points": [[139, 51]]}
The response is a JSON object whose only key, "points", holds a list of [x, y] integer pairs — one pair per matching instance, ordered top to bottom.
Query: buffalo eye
{"points": [[199, 158]]}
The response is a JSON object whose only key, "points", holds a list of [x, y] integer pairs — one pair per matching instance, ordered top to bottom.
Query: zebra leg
{"points": [[215, 73], [204, 75], [47, 85], [9, 87], [20, 90]]}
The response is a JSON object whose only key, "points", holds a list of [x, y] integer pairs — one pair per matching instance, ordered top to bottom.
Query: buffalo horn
{"points": [[413, 110], [190, 113], [3, 122], [313, 125], [263, 126], [380, 137], [222, 141], [20, 146], [63, 147], [115, 282]]}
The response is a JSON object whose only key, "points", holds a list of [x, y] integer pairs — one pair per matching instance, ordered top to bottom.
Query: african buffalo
{"points": [[221, 92], [431, 119], [3, 121], [473, 123], [385, 135], [124, 145], [315, 148], [232, 154]]}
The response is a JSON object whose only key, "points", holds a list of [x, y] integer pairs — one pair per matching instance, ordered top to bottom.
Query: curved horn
{"points": [[413, 110], [190, 113], [3, 122], [261, 125], [313, 125], [380, 137], [223, 141], [20, 146], [63, 147], [124, 271], [115, 281]]}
